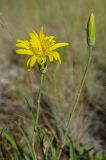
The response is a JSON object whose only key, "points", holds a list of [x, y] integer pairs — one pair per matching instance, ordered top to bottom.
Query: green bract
{"points": [[91, 31]]}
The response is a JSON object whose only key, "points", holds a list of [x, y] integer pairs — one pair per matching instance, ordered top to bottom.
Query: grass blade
{"points": [[14, 144]]}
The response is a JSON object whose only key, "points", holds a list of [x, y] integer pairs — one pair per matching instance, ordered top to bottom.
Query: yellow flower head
{"points": [[39, 47]]}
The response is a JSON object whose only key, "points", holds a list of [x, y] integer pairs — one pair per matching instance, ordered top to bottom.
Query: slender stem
{"points": [[39, 98], [76, 102], [37, 115]]}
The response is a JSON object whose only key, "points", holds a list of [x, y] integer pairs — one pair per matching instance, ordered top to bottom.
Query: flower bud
{"points": [[91, 31]]}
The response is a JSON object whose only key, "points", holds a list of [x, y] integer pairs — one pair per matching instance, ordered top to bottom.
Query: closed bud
{"points": [[91, 31]]}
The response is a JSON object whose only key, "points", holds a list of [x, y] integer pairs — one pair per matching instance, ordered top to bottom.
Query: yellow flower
{"points": [[39, 47]]}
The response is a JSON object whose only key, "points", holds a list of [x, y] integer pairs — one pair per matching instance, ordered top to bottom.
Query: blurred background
{"points": [[66, 20]]}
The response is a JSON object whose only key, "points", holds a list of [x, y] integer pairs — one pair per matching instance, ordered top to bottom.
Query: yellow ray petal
{"points": [[41, 33], [33, 35], [20, 41], [26, 42], [22, 45], [58, 45], [24, 51], [56, 56], [50, 57], [31, 61]]}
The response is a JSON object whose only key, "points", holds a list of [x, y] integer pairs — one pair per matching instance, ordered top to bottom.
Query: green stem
{"points": [[39, 99], [76, 102], [37, 115]]}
